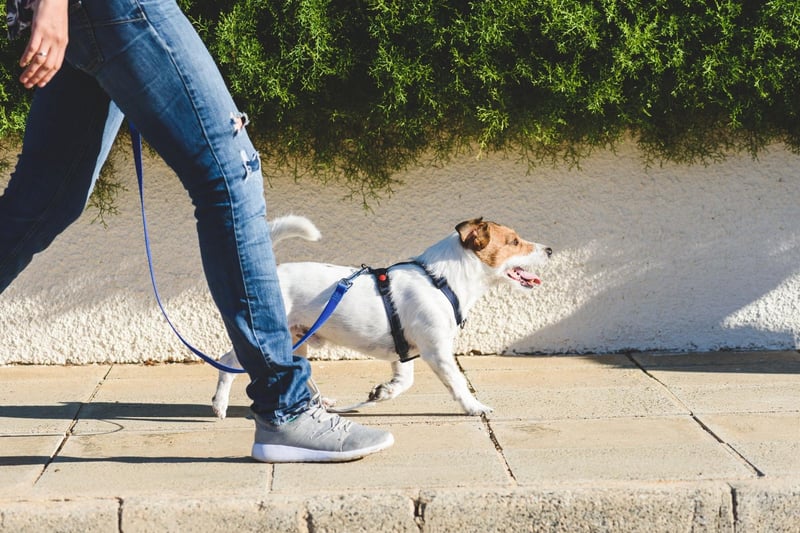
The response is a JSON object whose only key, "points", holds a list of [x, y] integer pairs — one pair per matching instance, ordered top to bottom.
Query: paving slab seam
{"points": [[705, 427], [489, 430], [69, 431], [497, 446], [736, 453]]}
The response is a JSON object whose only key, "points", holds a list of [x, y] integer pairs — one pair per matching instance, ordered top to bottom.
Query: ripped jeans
{"points": [[143, 59]]}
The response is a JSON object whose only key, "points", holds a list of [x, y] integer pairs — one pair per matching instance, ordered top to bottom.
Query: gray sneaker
{"points": [[316, 436]]}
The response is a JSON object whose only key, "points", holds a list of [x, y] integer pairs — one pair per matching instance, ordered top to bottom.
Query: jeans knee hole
{"points": [[238, 121], [252, 163]]}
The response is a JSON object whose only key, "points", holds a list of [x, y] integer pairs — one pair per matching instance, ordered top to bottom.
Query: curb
{"points": [[717, 506]]}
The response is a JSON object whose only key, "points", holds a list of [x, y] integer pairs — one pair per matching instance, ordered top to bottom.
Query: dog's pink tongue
{"points": [[526, 278]]}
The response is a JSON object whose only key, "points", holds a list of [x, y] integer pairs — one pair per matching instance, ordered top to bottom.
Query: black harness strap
{"points": [[382, 280], [442, 285], [400, 342]]}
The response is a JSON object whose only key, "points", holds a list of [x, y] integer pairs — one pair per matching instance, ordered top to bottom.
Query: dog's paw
{"points": [[382, 392], [327, 403], [220, 407], [477, 409]]}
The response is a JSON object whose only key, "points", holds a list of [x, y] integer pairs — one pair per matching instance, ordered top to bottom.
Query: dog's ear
{"points": [[474, 234]]}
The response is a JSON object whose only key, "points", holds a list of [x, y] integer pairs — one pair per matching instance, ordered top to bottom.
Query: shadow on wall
{"points": [[677, 261], [667, 305]]}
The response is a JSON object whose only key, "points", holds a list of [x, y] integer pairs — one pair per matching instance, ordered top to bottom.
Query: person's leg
{"points": [[147, 57], [149, 60], [70, 129]]}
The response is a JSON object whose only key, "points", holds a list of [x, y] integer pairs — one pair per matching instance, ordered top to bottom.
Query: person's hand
{"points": [[45, 51]]}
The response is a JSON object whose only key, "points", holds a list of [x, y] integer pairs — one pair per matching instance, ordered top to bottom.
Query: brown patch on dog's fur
{"points": [[493, 243]]}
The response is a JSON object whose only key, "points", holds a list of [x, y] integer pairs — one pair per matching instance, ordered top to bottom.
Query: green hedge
{"points": [[356, 90]]}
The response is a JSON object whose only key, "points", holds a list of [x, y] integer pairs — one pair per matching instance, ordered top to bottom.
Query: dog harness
{"points": [[382, 281]]}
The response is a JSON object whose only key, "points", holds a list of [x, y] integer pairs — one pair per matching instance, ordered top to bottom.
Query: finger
{"points": [[34, 47], [33, 67], [40, 70]]}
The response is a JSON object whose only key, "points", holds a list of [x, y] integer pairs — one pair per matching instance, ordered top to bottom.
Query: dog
{"points": [[474, 258]]}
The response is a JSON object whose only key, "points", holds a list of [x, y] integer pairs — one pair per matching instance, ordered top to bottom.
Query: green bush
{"points": [[357, 90]]}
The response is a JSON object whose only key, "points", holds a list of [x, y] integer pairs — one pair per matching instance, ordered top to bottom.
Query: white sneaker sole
{"points": [[276, 453]]}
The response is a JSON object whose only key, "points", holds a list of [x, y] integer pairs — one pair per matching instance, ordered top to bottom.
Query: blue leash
{"points": [[341, 288]]}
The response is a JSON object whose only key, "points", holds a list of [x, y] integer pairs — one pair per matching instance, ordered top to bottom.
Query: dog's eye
{"points": [[515, 242]]}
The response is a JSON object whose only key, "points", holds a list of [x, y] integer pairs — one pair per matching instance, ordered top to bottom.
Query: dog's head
{"points": [[505, 252]]}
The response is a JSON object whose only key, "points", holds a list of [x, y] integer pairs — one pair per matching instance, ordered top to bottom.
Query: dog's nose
{"points": [[548, 251]]}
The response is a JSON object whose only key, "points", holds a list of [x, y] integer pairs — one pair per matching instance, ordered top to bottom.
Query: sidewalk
{"points": [[701, 442]]}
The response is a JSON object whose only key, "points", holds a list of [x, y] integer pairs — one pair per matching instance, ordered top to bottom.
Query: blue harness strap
{"points": [[341, 288], [338, 293]]}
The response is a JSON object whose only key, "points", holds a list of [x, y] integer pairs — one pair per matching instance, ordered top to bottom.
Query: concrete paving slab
{"points": [[544, 363], [161, 374], [55, 375], [724, 375], [562, 376], [358, 377], [198, 382], [349, 383], [733, 387], [555, 388], [773, 397], [44, 400], [167, 400], [577, 403], [408, 407], [770, 441], [644, 449], [427, 454], [22, 460], [125, 463], [73, 516]]}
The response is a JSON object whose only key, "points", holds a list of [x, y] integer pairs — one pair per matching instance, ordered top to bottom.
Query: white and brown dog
{"points": [[476, 257]]}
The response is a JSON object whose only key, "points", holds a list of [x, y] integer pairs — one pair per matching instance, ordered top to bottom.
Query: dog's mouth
{"points": [[523, 277]]}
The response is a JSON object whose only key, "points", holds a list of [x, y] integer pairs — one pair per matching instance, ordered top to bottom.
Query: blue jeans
{"points": [[142, 59]]}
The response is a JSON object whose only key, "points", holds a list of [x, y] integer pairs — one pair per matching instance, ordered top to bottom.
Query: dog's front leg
{"points": [[444, 365], [224, 381], [401, 381]]}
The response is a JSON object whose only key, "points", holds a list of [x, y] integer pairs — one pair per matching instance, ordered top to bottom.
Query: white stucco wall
{"points": [[671, 258]]}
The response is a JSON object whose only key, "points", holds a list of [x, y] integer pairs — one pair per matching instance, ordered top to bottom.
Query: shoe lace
{"points": [[318, 412]]}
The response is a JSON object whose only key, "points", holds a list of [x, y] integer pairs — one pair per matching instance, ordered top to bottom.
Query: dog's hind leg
{"points": [[224, 381], [401, 381]]}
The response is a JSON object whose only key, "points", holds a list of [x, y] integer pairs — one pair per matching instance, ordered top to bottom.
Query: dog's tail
{"points": [[293, 226]]}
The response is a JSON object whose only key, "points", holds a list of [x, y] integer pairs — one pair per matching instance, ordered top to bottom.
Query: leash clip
{"points": [[348, 281]]}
